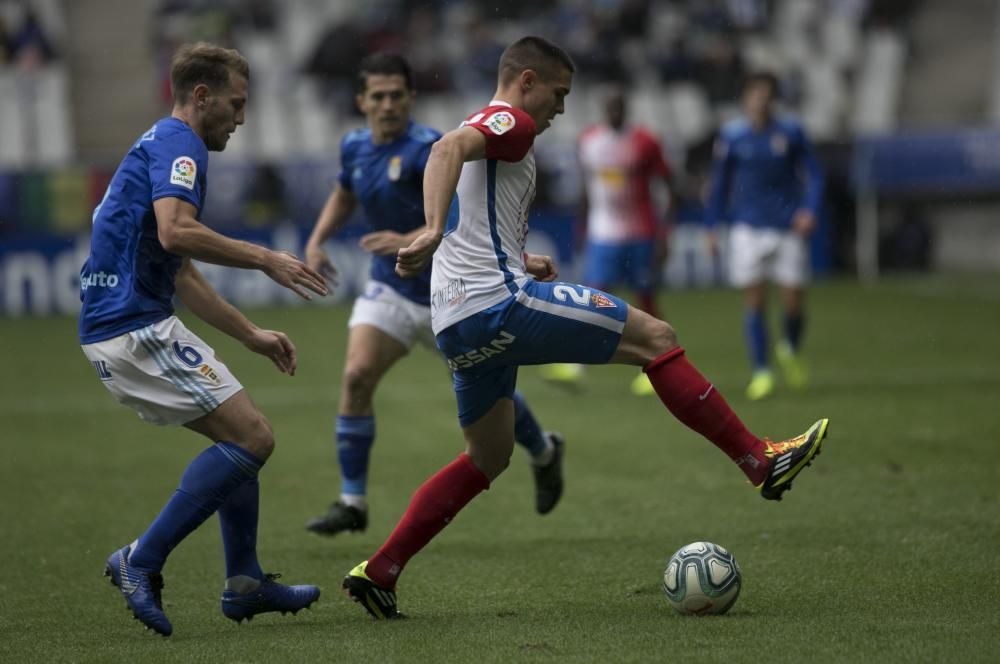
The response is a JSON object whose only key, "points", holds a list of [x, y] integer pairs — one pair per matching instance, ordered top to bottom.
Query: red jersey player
{"points": [[495, 308]]}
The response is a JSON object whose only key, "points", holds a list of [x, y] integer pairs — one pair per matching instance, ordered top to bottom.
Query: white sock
{"points": [[545, 458], [352, 500]]}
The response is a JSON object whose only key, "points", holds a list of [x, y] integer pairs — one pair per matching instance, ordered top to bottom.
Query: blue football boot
{"points": [[141, 590], [269, 596]]}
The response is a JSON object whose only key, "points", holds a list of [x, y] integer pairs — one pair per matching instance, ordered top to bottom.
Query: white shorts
{"points": [[767, 254], [382, 307], [164, 372]]}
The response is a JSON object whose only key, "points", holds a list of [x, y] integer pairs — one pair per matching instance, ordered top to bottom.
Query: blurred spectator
{"points": [[890, 13], [260, 15], [748, 15], [30, 46], [6, 47], [335, 59], [428, 61], [675, 63], [478, 70], [721, 73]]}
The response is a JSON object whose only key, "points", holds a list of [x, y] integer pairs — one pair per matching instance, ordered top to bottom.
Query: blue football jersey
{"points": [[762, 177], [388, 182], [127, 281]]}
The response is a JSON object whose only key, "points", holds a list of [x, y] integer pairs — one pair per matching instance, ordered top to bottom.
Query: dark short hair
{"points": [[535, 53], [194, 64], [386, 64], [763, 78]]}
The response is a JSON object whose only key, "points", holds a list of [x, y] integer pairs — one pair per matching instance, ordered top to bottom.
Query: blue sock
{"points": [[794, 323], [755, 327], [527, 431], [355, 437], [205, 485], [238, 519]]}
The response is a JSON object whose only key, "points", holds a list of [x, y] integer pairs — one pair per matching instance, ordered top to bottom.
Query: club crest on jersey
{"points": [[500, 122], [779, 144], [395, 168], [182, 172], [601, 300], [209, 373]]}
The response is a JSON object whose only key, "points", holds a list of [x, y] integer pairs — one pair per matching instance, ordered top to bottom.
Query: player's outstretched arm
{"points": [[444, 167], [336, 211], [180, 232], [205, 303]]}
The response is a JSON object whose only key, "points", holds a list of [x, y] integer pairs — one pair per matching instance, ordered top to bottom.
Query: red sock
{"points": [[696, 403], [432, 507]]}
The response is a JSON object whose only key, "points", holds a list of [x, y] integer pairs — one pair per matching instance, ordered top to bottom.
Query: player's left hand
{"points": [[804, 222], [383, 243], [542, 268], [275, 345]]}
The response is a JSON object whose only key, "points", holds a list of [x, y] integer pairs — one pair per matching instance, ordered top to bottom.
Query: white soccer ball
{"points": [[702, 578]]}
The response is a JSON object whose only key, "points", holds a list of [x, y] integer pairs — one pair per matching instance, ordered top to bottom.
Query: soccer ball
{"points": [[702, 578]]}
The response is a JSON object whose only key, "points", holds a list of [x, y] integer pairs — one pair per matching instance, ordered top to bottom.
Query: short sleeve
{"points": [[509, 132], [346, 157], [177, 167]]}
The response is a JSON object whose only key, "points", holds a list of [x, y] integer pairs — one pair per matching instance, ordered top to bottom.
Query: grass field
{"points": [[888, 549]]}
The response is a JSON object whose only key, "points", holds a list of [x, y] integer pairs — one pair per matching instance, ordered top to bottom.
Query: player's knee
{"points": [[663, 338], [359, 384], [259, 437], [491, 460]]}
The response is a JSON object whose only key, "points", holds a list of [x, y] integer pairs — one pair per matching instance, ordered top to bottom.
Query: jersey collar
{"points": [[497, 102]]}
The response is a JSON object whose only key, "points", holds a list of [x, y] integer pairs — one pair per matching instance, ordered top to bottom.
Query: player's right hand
{"points": [[317, 259], [414, 259], [287, 270], [275, 345]]}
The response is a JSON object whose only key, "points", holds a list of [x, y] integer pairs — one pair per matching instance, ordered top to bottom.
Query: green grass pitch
{"points": [[887, 549]]}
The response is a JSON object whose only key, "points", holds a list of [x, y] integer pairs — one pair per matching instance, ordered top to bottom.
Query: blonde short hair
{"points": [[198, 63]]}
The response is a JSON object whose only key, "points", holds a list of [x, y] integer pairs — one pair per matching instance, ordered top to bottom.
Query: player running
{"points": [[382, 167], [766, 176], [145, 234], [626, 237], [491, 316]]}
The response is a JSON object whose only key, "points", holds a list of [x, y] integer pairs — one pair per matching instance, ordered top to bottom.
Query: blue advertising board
{"points": [[930, 163]]}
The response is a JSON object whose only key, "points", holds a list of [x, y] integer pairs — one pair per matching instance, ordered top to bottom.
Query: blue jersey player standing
{"points": [[382, 168], [767, 182], [145, 234]]}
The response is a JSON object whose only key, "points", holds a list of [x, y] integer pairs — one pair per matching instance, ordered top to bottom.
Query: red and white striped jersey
{"points": [[617, 168], [480, 260]]}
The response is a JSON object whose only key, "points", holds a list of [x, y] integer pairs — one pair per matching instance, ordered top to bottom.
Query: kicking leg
{"points": [[697, 404]]}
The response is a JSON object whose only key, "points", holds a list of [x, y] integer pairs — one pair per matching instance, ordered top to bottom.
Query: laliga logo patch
{"points": [[500, 122], [395, 168], [182, 172], [602, 300]]}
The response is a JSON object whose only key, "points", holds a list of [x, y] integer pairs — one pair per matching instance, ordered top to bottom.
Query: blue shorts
{"points": [[612, 264], [543, 323]]}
